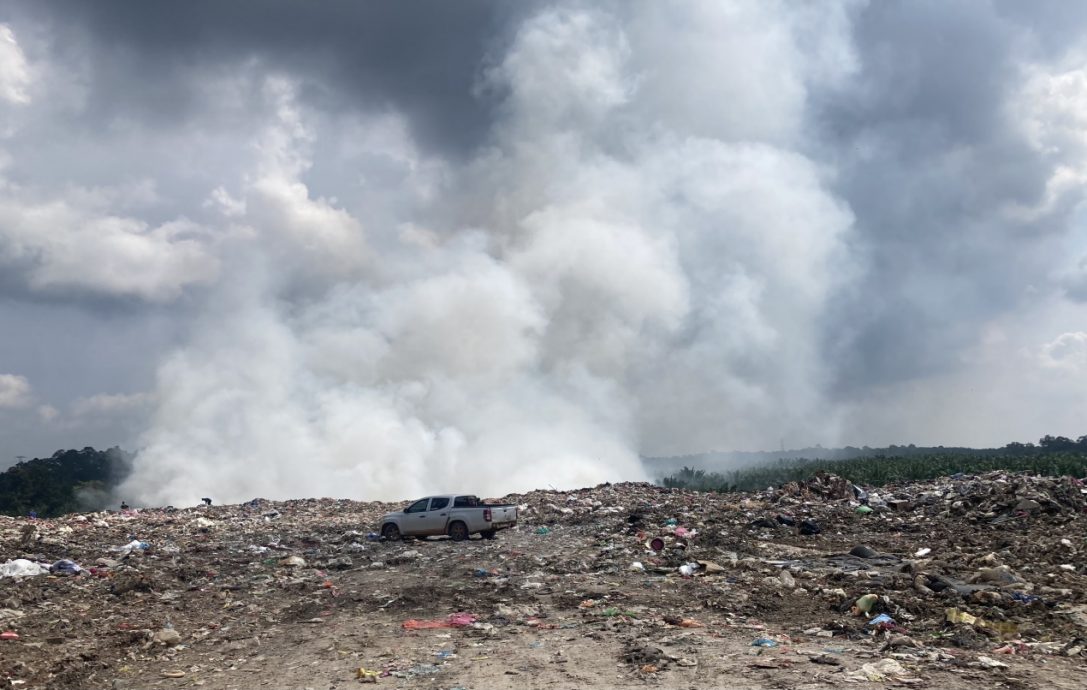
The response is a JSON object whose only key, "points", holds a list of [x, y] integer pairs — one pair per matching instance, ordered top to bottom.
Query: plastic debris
{"points": [[809, 528], [133, 546], [862, 551], [21, 567], [65, 567], [786, 579], [864, 604], [954, 615], [453, 620], [167, 637], [885, 669], [366, 676]]}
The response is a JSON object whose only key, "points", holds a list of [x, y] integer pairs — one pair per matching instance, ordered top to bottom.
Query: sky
{"points": [[376, 250]]}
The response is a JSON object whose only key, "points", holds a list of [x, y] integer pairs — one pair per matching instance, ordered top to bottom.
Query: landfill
{"points": [[965, 581]]}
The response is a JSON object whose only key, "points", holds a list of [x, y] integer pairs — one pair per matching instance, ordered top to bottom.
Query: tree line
{"points": [[1052, 455], [69, 481]]}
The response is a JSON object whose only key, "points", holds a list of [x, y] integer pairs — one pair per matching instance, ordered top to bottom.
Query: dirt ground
{"points": [[294, 594]]}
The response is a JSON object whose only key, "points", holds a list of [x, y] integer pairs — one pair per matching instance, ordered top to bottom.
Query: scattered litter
{"points": [[756, 565], [454, 620]]}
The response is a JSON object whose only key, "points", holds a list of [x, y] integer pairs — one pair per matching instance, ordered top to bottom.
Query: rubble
{"points": [[943, 583]]}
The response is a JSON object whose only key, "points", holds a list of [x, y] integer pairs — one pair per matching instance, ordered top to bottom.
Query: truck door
{"points": [[436, 516], [415, 517]]}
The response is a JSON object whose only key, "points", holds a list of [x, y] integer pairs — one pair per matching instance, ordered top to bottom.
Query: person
{"points": [[207, 501], [124, 506]]}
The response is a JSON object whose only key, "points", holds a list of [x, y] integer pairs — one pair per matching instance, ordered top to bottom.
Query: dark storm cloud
{"points": [[1052, 24], [419, 58], [928, 155]]}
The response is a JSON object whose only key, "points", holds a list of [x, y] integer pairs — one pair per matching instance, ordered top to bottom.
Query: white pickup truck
{"points": [[458, 516]]}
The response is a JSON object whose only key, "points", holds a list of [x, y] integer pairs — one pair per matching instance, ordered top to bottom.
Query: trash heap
{"points": [[948, 583]]}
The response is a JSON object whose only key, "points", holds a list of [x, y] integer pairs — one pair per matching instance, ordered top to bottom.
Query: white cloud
{"points": [[742, 70], [14, 71], [589, 82], [78, 244], [1066, 351], [14, 391], [111, 404], [47, 413]]}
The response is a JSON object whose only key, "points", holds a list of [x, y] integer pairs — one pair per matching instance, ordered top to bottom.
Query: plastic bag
{"points": [[21, 567], [65, 567]]}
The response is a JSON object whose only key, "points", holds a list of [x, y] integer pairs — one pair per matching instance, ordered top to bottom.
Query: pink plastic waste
{"points": [[682, 532], [459, 620]]}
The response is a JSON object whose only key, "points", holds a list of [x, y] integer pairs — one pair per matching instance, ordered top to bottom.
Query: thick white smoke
{"points": [[637, 260]]}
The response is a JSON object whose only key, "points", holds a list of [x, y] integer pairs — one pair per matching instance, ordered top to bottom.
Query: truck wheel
{"points": [[458, 531], [391, 532], [489, 534]]}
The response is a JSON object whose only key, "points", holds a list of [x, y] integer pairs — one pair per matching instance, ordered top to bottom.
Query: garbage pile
{"points": [[950, 583]]}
